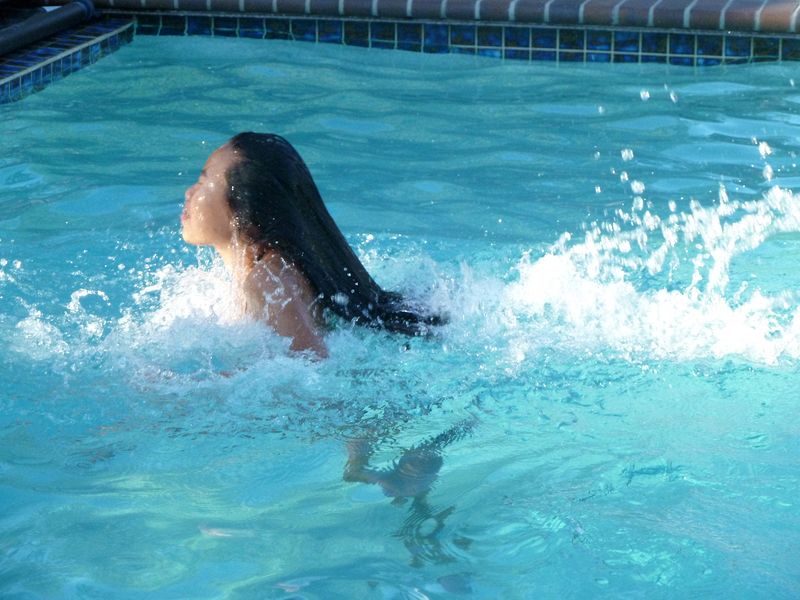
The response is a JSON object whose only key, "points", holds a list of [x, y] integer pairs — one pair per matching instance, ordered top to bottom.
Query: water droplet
{"points": [[644, 95], [627, 154], [637, 187]]}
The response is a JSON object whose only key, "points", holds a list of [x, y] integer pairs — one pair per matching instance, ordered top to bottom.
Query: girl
{"points": [[256, 203]]}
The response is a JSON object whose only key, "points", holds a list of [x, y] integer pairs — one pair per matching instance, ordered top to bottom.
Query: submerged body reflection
{"points": [[411, 477]]}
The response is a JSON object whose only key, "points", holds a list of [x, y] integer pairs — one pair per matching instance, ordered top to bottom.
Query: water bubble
{"points": [[644, 95], [673, 96], [601, 110], [764, 150], [627, 154], [596, 155], [767, 172], [623, 177], [637, 187], [598, 189], [638, 203], [672, 206], [3, 262], [17, 264], [121, 267], [340, 299]]}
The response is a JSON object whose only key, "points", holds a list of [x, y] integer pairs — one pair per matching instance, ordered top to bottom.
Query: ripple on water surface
{"points": [[611, 402]]}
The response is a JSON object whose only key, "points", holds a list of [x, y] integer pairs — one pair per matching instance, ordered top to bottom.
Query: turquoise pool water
{"points": [[614, 401]]}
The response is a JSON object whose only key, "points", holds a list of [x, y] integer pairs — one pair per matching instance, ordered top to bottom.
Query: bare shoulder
{"points": [[270, 275], [277, 291]]}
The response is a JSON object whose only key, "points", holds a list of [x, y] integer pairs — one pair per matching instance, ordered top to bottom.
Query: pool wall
{"points": [[675, 32], [679, 32], [509, 40]]}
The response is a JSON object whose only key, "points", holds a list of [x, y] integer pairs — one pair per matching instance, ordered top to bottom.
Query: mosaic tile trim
{"points": [[750, 16], [514, 42], [34, 67]]}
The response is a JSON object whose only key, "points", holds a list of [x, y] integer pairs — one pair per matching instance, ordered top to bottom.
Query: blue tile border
{"points": [[510, 41], [33, 68]]}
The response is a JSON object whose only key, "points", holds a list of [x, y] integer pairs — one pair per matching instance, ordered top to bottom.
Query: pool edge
{"points": [[32, 68]]}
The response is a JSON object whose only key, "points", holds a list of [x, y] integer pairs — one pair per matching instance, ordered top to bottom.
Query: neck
{"points": [[238, 258]]}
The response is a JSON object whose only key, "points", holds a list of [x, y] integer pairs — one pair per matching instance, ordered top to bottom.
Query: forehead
{"points": [[219, 161]]}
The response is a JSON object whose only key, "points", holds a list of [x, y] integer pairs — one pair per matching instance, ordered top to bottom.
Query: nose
{"points": [[188, 193]]}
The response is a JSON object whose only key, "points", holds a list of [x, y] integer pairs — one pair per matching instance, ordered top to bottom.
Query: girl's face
{"points": [[207, 217]]}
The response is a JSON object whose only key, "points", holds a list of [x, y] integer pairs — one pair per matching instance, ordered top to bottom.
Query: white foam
{"points": [[591, 298], [186, 320], [37, 339]]}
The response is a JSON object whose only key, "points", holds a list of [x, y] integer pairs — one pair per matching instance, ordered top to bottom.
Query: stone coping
{"points": [[747, 16]]}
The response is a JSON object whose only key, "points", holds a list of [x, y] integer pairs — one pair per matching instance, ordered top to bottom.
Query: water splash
{"points": [[641, 286], [653, 287], [187, 324], [37, 339]]}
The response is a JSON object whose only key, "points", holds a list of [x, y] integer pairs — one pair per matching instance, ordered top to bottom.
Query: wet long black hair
{"points": [[277, 206]]}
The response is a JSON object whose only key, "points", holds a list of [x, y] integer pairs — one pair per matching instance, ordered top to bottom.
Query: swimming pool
{"points": [[618, 376]]}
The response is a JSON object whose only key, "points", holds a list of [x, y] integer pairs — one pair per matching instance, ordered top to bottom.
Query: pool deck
{"points": [[676, 32]]}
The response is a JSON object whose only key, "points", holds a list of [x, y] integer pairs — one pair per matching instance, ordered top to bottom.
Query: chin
{"points": [[187, 237]]}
